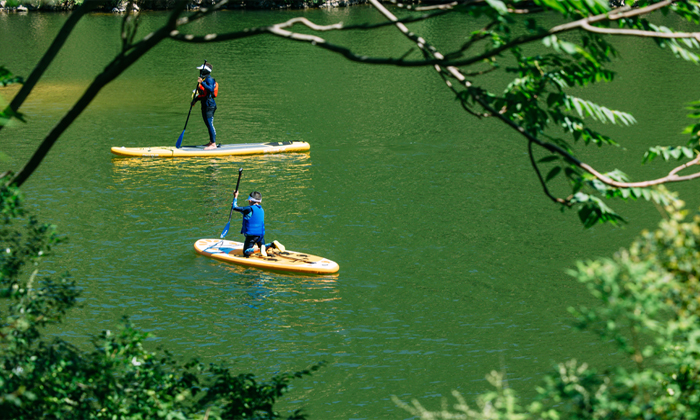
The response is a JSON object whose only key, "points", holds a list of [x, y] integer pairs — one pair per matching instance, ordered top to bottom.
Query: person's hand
{"points": [[200, 80], [235, 194]]}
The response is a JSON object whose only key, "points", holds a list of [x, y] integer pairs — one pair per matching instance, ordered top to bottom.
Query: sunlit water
{"points": [[452, 260]]}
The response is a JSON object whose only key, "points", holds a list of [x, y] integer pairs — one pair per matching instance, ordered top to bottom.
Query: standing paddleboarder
{"points": [[207, 90]]}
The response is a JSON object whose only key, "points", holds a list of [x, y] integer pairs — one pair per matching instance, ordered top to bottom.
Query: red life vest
{"points": [[202, 93]]}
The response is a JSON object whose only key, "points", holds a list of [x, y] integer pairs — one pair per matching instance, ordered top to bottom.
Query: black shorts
{"points": [[252, 240]]}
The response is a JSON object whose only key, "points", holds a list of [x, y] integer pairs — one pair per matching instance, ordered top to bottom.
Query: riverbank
{"points": [[13, 6]]}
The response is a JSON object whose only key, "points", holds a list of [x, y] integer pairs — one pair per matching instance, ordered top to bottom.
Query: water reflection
{"points": [[265, 164], [209, 180], [262, 285], [257, 311]]}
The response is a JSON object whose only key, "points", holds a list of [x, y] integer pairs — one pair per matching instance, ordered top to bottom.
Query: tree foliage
{"points": [[6, 79], [649, 307], [119, 378]]}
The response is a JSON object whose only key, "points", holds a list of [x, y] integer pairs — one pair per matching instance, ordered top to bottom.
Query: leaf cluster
{"points": [[6, 79], [540, 101]]}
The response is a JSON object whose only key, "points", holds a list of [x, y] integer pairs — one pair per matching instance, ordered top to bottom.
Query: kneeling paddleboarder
{"points": [[254, 225]]}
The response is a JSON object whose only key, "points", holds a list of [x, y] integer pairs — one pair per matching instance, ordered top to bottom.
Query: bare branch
{"points": [[447, 6], [615, 15], [278, 30], [635, 32], [177, 36], [481, 73], [671, 177]]}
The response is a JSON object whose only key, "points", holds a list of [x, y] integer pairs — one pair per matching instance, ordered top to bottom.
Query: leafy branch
{"points": [[532, 104]]}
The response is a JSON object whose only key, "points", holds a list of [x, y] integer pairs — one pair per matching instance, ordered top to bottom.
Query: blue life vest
{"points": [[254, 222]]}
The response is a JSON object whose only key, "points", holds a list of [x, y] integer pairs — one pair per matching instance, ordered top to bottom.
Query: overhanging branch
{"points": [[50, 54], [457, 74]]}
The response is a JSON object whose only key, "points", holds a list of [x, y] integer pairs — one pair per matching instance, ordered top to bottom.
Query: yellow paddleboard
{"points": [[223, 150], [297, 262]]}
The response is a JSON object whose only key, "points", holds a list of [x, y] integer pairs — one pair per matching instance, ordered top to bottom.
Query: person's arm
{"points": [[209, 85], [245, 210]]}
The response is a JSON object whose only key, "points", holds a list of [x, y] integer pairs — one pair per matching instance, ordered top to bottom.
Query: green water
{"points": [[452, 260]]}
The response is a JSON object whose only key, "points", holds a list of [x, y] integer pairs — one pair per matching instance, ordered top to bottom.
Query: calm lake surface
{"points": [[452, 260]]}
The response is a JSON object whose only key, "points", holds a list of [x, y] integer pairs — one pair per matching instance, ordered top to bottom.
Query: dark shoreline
{"points": [[161, 5]]}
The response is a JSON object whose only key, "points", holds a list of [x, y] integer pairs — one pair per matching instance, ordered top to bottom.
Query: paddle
{"points": [[179, 139], [228, 224]]}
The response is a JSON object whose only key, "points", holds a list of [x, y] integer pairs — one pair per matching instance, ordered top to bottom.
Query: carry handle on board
{"points": [[179, 139], [228, 224]]}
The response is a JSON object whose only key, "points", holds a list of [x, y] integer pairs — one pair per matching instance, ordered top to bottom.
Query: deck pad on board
{"points": [[232, 252]]}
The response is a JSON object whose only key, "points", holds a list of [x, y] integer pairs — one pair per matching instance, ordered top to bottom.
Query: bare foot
{"points": [[210, 146]]}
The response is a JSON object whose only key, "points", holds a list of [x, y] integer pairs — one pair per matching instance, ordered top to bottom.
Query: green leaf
{"points": [[552, 4], [499, 6], [598, 6], [568, 47], [577, 105], [547, 159], [554, 172]]}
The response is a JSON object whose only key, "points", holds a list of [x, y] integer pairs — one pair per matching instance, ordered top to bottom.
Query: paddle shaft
{"points": [[191, 105], [188, 117], [179, 140], [240, 172], [230, 213]]}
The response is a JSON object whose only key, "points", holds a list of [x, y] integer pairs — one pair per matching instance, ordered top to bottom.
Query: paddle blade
{"points": [[179, 140], [223, 234]]}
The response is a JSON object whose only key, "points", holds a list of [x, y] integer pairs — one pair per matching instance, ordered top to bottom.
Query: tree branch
{"points": [[278, 30], [634, 32], [50, 54], [129, 55], [113, 69], [455, 72], [671, 177], [542, 181]]}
